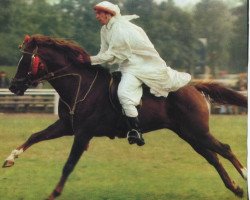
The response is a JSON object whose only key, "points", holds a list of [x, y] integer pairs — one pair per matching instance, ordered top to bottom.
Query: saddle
{"points": [[113, 87], [113, 96]]}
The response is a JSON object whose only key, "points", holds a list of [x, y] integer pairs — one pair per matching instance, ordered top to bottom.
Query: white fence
{"points": [[33, 99], [46, 100]]}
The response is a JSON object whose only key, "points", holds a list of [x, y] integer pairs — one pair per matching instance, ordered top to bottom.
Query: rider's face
{"points": [[102, 17]]}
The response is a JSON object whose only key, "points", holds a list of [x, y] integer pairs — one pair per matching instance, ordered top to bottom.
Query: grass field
{"points": [[166, 168]]}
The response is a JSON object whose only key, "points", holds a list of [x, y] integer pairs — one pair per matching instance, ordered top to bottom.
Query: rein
{"points": [[52, 76], [76, 101], [72, 109]]}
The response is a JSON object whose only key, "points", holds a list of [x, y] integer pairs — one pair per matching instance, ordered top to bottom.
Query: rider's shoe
{"points": [[134, 134]]}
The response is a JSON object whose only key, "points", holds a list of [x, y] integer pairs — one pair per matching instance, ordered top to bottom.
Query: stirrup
{"points": [[134, 136]]}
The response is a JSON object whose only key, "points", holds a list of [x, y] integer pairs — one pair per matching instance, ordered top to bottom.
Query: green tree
{"points": [[5, 10], [28, 17], [213, 21], [9, 26], [85, 28], [170, 30], [175, 36], [239, 42]]}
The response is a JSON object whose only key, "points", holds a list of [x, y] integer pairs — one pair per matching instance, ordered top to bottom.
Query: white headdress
{"points": [[114, 10]]}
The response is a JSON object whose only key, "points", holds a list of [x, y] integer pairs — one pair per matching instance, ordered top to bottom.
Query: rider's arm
{"points": [[114, 51]]}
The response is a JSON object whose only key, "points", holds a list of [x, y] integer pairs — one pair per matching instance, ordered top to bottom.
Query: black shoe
{"points": [[134, 134]]}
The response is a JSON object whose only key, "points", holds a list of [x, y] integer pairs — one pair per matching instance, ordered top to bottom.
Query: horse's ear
{"points": [[26, 39]]}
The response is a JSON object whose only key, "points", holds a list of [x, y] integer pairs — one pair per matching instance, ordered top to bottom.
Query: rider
{"points": [[126, 44]]}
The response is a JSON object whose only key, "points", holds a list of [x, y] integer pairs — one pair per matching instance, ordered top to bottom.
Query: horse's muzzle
{"points": [[19, 86], [17, 90]]}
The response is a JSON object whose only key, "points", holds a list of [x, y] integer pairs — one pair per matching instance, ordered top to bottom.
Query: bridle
{"points": [[37, 64], [30, 80]]}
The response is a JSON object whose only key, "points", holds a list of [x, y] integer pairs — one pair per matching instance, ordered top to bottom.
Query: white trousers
{"points": [[129, 94]]}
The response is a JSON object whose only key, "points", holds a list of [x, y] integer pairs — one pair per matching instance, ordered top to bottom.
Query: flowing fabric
{"points": [[126, 44]]}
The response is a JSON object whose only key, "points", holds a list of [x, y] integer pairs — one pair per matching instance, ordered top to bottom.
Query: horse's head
{"points": [[42, 56]]}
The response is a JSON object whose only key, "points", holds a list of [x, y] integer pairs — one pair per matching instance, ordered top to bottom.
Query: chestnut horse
{"points": [[86, 109]]}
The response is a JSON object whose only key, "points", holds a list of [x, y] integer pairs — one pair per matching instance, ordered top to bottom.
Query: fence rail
{"points": [[45, 100]]}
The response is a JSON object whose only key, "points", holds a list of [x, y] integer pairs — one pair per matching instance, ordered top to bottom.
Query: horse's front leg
{"points": [[58, 129], [79, 145]]}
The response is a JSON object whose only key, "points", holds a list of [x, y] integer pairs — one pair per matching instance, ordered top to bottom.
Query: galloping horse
{"points": [[86, 108]]}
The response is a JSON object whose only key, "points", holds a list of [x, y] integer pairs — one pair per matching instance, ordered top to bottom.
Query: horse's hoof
{"points": [[8, 163], [244, 173], [239, 192], [54, 195], [51, 197]]}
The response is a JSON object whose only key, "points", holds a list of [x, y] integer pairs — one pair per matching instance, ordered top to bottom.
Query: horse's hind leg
{"points": [[53, 131], [224, 150], [212, 158]]}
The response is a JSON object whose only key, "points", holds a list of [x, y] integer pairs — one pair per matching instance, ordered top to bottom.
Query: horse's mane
{"points": [[69, 47]]}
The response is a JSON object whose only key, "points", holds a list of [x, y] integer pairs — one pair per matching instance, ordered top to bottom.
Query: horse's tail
{"points": [[222, 95]]}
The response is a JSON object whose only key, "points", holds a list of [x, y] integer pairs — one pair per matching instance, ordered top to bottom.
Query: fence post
{"points": [[56, 103]]}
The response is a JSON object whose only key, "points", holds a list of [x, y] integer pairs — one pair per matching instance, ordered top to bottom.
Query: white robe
{"points": [[126, 44]]}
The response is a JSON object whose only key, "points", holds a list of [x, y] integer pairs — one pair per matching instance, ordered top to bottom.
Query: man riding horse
{"points": [[126, 44]]}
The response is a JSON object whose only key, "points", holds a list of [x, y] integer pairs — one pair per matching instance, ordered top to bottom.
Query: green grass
{"points": [[166, 168]]}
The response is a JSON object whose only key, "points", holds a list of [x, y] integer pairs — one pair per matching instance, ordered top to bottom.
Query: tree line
{"points": [[210, 34]]}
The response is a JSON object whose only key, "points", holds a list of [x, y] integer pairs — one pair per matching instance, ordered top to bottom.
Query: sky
{"points": [[190, 3]]}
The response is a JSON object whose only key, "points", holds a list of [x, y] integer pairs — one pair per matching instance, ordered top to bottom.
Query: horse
{"points": [[87, 107]]}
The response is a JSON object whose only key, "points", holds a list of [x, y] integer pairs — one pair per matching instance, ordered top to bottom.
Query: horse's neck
{"points": [[70, 85]]}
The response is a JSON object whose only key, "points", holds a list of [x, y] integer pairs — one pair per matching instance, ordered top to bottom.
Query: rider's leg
{"points": [[129, 94]]}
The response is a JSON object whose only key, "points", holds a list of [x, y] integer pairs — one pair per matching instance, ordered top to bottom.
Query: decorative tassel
{"points": [[26, 39], [35, 64]]}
